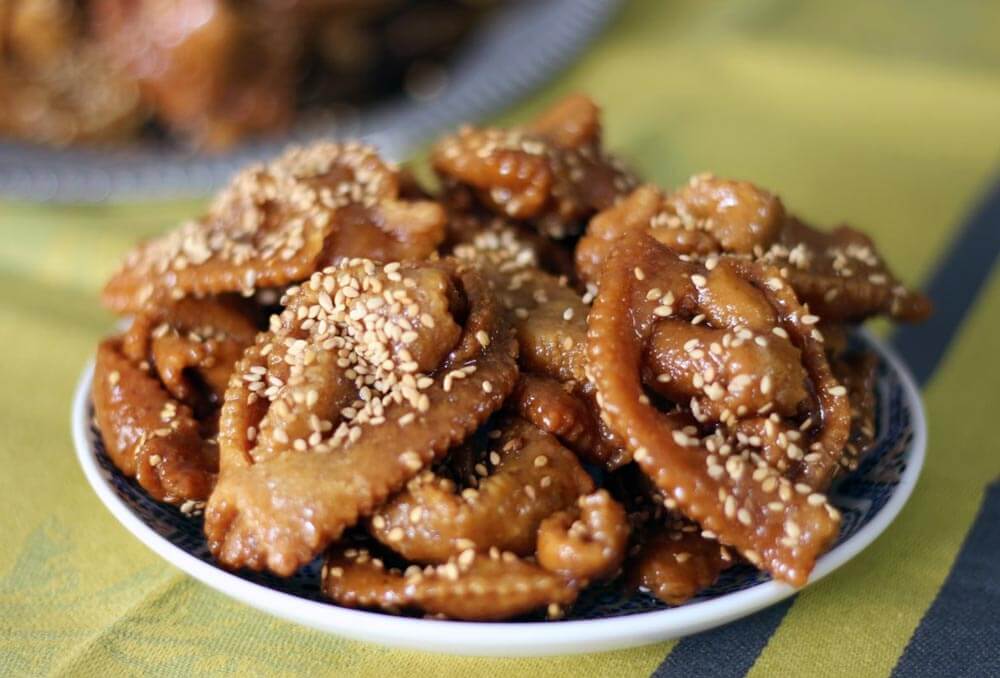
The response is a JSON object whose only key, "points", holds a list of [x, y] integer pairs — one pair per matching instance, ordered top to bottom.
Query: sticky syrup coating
{"points": [[552, 173], [276, 224], [838, 273], [550, 321], [858, 372], [370, 374], [157, 391], [523, 478], [715, 478], [586, 542], [576, 546], [675, 564], [472, 586]]}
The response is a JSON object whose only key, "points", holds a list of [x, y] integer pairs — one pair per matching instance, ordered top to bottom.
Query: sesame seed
{"points": [[411, 460], [816, 499], [465, 558]]}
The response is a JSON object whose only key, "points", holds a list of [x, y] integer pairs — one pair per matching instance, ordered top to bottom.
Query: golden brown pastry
{"points": [[214, 71], [56, 85], [553, 173], [277, 224], [839, 274], [550, 319], [369, 374], [158, 389], [460, 421], [714, 472], [521, 478], [575, 547], [675, 562], [471, 586]]}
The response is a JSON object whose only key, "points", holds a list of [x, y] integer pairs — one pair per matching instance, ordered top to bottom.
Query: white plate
{"points": [[604, 619]]}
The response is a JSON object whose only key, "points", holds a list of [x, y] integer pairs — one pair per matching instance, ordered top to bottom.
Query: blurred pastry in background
{"points": [[210, 73]]}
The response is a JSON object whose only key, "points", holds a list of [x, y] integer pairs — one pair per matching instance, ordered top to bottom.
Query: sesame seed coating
{"points": [[358, 362]]}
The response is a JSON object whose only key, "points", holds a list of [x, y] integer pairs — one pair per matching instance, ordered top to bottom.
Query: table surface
{"points": [[885, 115]]}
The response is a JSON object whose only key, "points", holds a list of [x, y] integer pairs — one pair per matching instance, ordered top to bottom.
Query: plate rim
{"points": [[510, 639]]}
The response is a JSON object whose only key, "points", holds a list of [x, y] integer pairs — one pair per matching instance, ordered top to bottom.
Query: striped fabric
{"points": [[885, 115]]}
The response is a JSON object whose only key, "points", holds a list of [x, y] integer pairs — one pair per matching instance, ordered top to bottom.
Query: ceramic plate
{"points": [[516, 49], [604, 618]]}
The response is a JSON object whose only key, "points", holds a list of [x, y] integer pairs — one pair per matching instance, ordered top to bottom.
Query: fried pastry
{"points": [[214, 71], [57, 86], [553, 173], [277, 224], [839, 274], [842, 276], [550, 319], [857, 371], [368, 375], [158, 389], [461, 419], [716, 475], [521, 478], [585, 543], [675, 562], [471, 586]]}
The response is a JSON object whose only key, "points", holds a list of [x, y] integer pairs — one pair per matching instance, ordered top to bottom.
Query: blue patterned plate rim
{"points": [[870, 498]]}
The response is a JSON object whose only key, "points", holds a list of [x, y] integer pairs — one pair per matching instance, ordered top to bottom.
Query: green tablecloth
{"points": [[886, 115]]}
